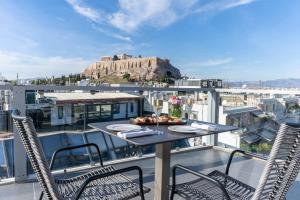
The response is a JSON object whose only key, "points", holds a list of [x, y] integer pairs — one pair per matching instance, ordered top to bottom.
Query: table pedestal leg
{"points": [[162, 171]]}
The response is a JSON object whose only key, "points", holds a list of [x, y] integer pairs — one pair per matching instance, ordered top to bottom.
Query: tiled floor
{"points": [[200, 160]]}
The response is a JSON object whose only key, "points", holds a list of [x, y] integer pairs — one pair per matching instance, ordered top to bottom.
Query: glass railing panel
{"points": [[61, 119], [258, 121], [99, 139], [6, 141], [76, 157], [6, 158], [3, 163]]}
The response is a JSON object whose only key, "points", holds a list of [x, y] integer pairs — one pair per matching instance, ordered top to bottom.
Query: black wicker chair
{"points": [[282, 167], [105, 182]]}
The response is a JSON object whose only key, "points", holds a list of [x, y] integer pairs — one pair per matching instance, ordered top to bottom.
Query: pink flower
{"points": [[174, 100]]}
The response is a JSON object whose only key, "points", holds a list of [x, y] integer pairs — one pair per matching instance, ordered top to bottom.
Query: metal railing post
{"points": [[213, 113], [88, 149], [20, 158]]}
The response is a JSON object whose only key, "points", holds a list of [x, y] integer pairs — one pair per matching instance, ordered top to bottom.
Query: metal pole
{"points": [[84, 117], [88, 149], [20, 163]]}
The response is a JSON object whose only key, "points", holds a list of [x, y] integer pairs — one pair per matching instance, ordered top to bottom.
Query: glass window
{"points": [[30, 97], [131, 107], [116, 108], [78, 109], [60, 110], [93, 112], [106, 112], [78, 116], [4, 118]]}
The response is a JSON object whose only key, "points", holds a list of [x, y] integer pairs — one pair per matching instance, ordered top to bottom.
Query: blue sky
{"points": [[228, 39]]}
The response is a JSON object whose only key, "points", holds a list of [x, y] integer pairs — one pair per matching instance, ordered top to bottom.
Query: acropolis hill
{"points": [[139, 68]]}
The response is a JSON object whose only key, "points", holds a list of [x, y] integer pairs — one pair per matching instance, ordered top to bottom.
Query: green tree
{"points": [[115, 57], [126, 76], [167, 78]]}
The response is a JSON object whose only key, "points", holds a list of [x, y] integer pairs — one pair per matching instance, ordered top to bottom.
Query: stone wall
{"points": [[150, 68]]}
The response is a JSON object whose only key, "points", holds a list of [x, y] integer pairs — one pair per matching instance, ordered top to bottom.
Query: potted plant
{"points": [[175, 107]]}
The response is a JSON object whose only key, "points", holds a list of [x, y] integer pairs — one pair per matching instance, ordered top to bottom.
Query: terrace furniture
{"points": [[162, 144], [280, 171], [106, 182]]}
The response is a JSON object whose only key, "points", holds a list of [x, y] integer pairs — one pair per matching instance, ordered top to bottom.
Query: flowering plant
{"points": [[174, 100], [175, 107]]}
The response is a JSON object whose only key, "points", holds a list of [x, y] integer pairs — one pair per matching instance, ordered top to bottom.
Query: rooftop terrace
{"points": [[203, 159], [22, 184]]}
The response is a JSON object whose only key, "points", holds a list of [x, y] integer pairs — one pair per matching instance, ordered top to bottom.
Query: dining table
{"points": [[162, 144]]}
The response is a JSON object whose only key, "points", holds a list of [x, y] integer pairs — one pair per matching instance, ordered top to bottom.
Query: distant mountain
{"points": [[278, 83]]}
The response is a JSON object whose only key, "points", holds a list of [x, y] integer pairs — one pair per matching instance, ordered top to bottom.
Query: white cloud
{"points": [[235, 3], [214, 6], [88, 12], [159, 13], [133, 14], [111, 34], [121, 37], [216, 62], [210, 63], [28, 66]]}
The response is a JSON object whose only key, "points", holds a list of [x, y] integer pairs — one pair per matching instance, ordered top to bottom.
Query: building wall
{"points": [[272, 106], [200, 110], [67, 115], [227, 138]]}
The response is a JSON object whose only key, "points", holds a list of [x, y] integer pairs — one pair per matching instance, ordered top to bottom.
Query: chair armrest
{"points": [[294, 125], [75, 147], [244, 153], [118, 171], [217, 183]]}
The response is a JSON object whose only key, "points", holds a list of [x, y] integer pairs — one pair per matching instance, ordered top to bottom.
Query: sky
{"points": [[234, 40]]}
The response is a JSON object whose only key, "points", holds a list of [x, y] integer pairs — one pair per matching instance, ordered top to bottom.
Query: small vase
{"points": [[175, 111]]}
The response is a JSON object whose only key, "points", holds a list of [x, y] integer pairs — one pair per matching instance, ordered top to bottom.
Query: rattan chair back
{"points": [[35, 153], [282, 166]]}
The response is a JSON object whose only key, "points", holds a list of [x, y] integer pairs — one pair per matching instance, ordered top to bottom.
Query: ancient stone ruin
{"points": [[139, 68]]}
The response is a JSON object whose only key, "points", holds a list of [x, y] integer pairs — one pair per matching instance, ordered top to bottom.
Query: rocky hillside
{"points": [[138, 68]]}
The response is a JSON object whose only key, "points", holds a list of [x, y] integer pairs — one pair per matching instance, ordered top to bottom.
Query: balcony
{"points": [[204, 155], [202, 159]]}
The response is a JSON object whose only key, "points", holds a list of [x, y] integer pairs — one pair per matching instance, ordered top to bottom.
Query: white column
{"points": [[213, 113], [20, 164]]}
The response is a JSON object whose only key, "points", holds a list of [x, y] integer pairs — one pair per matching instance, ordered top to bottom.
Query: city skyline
{"points": [[233, 40]]}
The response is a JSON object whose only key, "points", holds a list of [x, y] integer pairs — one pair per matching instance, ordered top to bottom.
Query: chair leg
{"points": [[141, 184], [142, 191], [172, 193], [41, 195], [142, 196]]}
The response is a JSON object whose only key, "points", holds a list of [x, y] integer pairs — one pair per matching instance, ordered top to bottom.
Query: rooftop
{"points": [[84, 96], [200, 159]]}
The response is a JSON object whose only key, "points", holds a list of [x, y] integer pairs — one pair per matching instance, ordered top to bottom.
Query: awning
{"points": [[259, 114], [267, 135], [251, 138]]}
